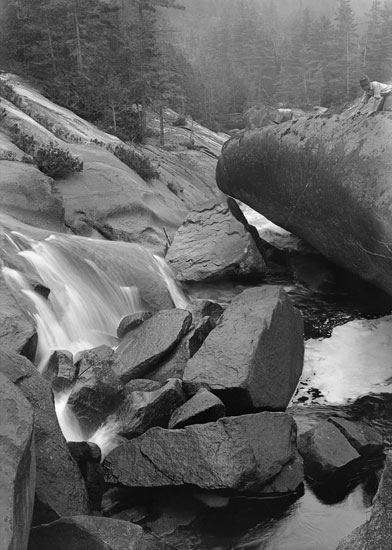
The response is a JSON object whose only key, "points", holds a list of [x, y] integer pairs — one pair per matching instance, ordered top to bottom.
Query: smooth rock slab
{"points": [[212, 244], [142, 348], [253, 359], [325, 450], [238, 454], [17, 467], [60, 489], [91, 533]]}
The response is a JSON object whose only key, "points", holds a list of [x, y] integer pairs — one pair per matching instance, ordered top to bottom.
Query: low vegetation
{"points": [[135, 160]]}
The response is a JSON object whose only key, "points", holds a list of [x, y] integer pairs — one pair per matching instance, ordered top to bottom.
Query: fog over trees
{"points": [[209, 58]]}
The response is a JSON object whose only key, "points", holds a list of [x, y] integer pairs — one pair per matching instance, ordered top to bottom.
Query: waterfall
{"points": [[93, 284]]}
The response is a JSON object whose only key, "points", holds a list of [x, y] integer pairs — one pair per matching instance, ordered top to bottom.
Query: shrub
{"points": [[51, 160], [55, 162], [138, 162]]}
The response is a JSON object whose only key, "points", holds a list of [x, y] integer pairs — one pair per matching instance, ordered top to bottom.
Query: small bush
{"points": [[51, 160], [136, 161], [55, 162]]}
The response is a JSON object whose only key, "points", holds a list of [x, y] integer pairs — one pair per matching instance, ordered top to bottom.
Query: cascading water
{"points": [[93, 284]]}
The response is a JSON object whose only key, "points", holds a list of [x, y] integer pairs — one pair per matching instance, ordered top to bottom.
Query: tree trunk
{"points": [[50, 42], [79, 57], [162, 128]]}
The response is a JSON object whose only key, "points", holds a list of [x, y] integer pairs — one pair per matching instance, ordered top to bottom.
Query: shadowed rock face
{"points": [[328, 180], [17, 467], [60, 489], [375, 534]]}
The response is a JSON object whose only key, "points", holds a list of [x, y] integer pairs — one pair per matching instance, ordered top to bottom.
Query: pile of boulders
{"points": [[197, 398]]}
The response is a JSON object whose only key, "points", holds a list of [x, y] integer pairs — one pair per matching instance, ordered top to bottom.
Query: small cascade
{"points": [[92, 285]]}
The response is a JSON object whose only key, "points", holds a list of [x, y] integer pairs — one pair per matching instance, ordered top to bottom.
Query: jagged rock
{"points": [[301, 173], [28, 196], [211, 245], [204, 308], [205, 314], [132, 321], [17, 330], [142, 348], [253, 359], [60, 370], [98, 390], [203, 407], [143, 410], [366, 440], [325, 450], [239, 454], [17, 467], [60, 489], [377, 532], [95, 533]]}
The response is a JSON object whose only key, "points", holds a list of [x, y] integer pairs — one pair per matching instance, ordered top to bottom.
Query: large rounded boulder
{"points": [[325, 179]]}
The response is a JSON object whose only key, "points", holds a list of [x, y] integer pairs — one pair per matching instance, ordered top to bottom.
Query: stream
{"points": [[347, 372]]}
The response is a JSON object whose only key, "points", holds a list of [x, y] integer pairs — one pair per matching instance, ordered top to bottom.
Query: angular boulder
{"points": [[325, 179], [211, 245], [205, 314], [130, 322], [142, 348], [253, 359], [98, 391], [203, 407], [143, 410], [365, 439], [325, 450], [238, 454], [17, 466], [60, 489], [377, 532], [95, 533]]}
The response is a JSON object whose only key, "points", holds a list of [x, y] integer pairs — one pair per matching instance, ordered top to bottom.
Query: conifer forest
{"points": [[211, 59]]}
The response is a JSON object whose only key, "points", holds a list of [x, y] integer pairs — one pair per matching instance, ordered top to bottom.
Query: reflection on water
{"points": [[305, 524]]}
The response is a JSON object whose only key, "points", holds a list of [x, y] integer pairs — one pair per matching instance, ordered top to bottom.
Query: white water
{"points": [[93, 284], [354, 361]]}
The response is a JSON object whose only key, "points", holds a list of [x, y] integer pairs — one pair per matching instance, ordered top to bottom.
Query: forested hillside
{"points": [[209, 58]]}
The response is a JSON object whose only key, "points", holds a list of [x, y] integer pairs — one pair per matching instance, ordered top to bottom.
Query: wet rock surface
{"points": [[253, 359], [98, 390], [237, 454], [17, 466], [60, 489]]}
